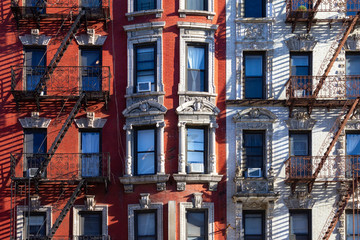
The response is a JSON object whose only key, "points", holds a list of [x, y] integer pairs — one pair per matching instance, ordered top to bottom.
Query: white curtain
{"points": [[195, 61], [90, 158], [146, 224]]}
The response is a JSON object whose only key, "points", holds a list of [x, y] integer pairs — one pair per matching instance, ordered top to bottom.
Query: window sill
{"points": [[157, 12], [208, 14], [255, 20], [193, 93], [144, 94], [159, 179], [183, 179]]}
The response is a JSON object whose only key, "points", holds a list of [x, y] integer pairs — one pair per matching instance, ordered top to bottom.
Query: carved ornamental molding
{"points": [[90, 39], [34, 40], [301, 42], [198, 106], [143, 108], [255, 114], [35, 121], [90, 121], [300, 121], [299, 200], [90, 202]]}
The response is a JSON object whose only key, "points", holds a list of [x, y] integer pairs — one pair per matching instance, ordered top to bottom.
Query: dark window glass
{"points": [[91, 3], [144, 5], [196, 5], [35, 7], [255, 8], [35, 61], [145, 68], [196, 68], [91, 69], [301, 72], [352, 74], [254, 75], [299, 144], [35, 147], [196, 149], [145, 151], [254, 151], [300, 152], [353, 153], [90, 157], [351, 221], [35, 224], [91, 224], [145, 225], [196, 225], [300, 225], [254, 226]]}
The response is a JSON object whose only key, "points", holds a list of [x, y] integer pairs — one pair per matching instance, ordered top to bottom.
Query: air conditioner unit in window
{"points": [[144, 87], [195, 168], [31, 172], [254, 172]]}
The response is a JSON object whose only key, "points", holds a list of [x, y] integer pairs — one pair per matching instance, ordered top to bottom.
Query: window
{"points": [[91, 3], [144, 5], [196, 5], [303, 5], [36, 6], [352, 7], [255, 8], [35, 60], [145, 65], [300, 67], [196, 68], [91, 69], [352, 74], [254, 75], [35, 148], [196, 150], [145, 151], [254, 152], [300, 152], [353, 153], [90, 154], [351, 221], [35, 224], [90, 224], [196, 224], [300, 224], [145, 225], [254, 225]]}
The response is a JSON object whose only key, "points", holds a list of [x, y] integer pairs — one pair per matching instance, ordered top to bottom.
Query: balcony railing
{"points": [[302, 8], [94, 9], [63, 82], [334, 87], [63, 166], [302, 168], [103, 237]]}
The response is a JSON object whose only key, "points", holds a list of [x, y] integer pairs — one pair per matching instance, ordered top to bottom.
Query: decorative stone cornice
{"points": [[195, 25], [144, 26], [91, 39], [34, 40], [301, 42], [198, 106], [148, 107], [257, 114], [35, 121], [90, 121], [300, 121], [159, 179], [183, 179], [35, 202]]}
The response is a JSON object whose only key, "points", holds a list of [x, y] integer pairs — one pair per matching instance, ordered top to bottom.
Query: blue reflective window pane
{"points": [[144, 5], [195, 5], [352, 7], [254, 8], [352, 64], [253, 65], [300, 65], [253, 87], [195, 139], [146, 140], [353, 144], [195, 157], [145, 163], [146, 223], [37, 224], [91, 224], [253, 224], [195, 225]]}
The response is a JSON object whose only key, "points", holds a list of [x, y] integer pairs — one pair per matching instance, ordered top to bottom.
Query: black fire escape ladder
{"points": [[312, 15], [57, 57], [329, 60], [59, 137], [66, 209], [337, 212]]}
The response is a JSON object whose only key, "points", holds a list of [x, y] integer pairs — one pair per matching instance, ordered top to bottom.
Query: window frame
{"points": [[206, 7], [138, 10], [263, 14], [205, 46], [84, 48], [135, 48], [26, 49], [310, 59], [263, 82], [98, 130], [263, 132], [295, 132], [206, 146], [135, 152], [97, 208], [136, 212], [32, 213], [309, 216], [206, 220], [82, 226], [263, 230]]}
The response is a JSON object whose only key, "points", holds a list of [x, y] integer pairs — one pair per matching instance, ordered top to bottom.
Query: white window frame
{"points": [[132, 13], [210, 13], [190, 33], [138, 34], [209, 206], [97, 208], [132, 208], [20, 213]]}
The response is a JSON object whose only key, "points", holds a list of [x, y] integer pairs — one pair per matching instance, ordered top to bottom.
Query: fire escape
{"points": [[58, 86], [324, 91]]}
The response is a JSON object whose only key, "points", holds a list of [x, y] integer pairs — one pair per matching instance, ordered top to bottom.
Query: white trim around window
{"points": [[157, 11], [209, 13], [207, 206], [97, 208], [132, 208], [20, 214]]}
